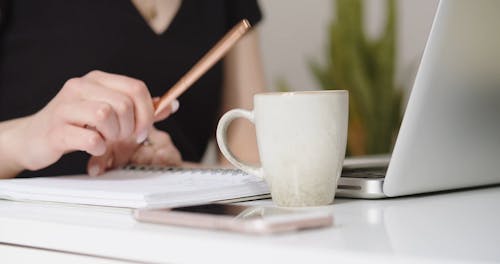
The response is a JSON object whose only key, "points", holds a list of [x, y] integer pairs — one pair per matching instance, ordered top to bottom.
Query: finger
{"points": [[137, 91], [122, 104], [166, 112], [163, 114], [99, 115], [70, 138], [160, 138], [123, 151], [143, 155], [167, 156], [99, 164]]}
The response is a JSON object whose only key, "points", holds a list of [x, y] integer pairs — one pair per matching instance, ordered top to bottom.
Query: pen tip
{"points": [[246, 23]]}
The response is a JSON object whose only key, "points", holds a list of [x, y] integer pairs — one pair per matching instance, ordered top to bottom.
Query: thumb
{"points": [[167, 111], [97, 165]]}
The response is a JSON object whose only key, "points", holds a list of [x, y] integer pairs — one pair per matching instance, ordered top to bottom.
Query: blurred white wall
{"points": [[295, 30]]}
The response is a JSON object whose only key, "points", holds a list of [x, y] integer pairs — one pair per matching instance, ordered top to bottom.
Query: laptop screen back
{"points": [[450, 135]]}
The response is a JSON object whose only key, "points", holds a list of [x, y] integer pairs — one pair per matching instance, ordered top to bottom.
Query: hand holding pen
{"points": [[106, 115], [158, 148]]}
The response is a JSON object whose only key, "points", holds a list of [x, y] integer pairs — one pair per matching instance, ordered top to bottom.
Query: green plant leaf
{"points": [[365, 68]]}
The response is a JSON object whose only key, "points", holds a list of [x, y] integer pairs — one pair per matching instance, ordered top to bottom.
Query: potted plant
{"points": [[366, 68]]}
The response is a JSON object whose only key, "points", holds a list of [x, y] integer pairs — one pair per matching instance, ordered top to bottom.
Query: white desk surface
{"points": [[455, 227]]}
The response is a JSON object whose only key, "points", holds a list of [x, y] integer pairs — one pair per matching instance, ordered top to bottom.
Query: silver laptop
{"points": [[450, 134]]}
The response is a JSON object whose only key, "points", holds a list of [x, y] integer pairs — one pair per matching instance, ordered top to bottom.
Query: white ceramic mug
{"points": [[301, 137]]}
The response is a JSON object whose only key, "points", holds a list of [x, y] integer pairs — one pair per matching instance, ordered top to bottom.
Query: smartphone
{"points": [[238, 218]]}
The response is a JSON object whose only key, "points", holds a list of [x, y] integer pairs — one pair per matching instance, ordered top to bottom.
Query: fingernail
{"points": [[174, 106], [142, 136], [109, 163], [94, 170]]}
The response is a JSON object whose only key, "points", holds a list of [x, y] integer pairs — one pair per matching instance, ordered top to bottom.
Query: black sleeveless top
{"points": [[44, 43]]}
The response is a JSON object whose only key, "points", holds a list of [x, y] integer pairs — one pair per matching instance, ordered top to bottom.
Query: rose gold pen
{"points": [[203, 65]]}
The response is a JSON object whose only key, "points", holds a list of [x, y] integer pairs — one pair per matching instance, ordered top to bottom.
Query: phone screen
{"points": [[237, 211]]}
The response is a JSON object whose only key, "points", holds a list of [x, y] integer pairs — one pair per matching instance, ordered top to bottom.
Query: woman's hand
{"points": [[88, 114], [157, 150]]}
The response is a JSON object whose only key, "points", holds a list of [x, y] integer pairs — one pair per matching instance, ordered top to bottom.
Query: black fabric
{"points": [[4, 5], [44, 43]]}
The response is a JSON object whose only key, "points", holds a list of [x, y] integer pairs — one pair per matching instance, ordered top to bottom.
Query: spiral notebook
{"points": [[139, 187]]}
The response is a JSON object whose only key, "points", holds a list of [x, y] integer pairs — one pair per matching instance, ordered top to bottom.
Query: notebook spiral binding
{"points": [[154, 168]]}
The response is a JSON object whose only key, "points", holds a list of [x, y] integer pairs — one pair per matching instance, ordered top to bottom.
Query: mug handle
{"points": [[224, 122]]}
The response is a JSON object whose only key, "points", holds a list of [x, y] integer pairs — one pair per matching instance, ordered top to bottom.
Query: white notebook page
{"points": [[137, 188]]}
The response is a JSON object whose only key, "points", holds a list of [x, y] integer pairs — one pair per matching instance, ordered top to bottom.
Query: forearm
{"points": [[243, 78], [10, 139]]}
